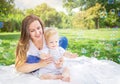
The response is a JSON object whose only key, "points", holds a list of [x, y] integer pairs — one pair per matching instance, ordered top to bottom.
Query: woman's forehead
{"points": [[34, 24]]}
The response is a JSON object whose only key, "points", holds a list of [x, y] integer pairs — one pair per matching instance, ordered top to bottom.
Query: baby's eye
{"points": [[51, 42]]}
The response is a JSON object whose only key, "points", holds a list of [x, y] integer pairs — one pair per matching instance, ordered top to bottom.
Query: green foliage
{"points": [[84, 5], [6, 7], [49, 15], [86, 19], [111, 20], [12, 23], [102, 43], [7, 48], [93, 48]]}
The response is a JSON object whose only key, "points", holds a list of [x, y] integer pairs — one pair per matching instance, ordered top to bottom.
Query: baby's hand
{"points": [[59, 63]]}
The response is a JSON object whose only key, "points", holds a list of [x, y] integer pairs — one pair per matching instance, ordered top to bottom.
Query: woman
{"points": [[30, 43]]}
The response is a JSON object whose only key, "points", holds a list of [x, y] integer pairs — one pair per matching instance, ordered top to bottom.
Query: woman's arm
{"points": [[70, 55], [29, 67]]}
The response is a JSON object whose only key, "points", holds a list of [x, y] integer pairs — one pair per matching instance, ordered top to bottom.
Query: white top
{"points": [[33, 50]]}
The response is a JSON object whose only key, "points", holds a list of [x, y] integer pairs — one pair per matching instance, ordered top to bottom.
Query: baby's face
{"points": [[53, 42]]}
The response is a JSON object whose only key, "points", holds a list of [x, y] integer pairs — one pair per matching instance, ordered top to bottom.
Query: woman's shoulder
{"points": [[32, 49]]}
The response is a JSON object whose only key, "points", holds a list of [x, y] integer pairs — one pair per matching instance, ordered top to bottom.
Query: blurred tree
{"points": [[86, 4], [6, 7], [49, 15], [87, 18]]}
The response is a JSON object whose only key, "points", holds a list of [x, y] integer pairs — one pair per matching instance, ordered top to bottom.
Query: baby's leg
{"points": [[66, 75], [50, 76]]}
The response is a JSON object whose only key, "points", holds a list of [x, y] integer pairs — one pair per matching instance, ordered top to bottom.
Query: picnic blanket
{"points": [[83, 70]]}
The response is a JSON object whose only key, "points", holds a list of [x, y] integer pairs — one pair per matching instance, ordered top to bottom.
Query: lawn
{"points": [[100, 43]]}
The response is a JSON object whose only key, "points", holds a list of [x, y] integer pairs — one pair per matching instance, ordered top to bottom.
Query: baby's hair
{"points": [[50, 32]]}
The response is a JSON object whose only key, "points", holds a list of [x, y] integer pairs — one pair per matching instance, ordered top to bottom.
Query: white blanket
{"points": [[83, 70]]}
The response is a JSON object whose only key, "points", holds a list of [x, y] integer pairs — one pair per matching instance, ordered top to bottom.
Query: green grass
{"points": [[99, 34], [100, 43]]}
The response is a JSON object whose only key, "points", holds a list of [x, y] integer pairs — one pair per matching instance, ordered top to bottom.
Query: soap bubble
{"points": [[108, 46], [83, 51], [96, 53]]}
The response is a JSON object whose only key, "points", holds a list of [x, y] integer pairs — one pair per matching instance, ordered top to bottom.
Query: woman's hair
{"points": [[49, 32], [23, 44]]}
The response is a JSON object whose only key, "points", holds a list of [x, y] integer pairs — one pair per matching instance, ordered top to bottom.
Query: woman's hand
{"points": [[70, 55], [73, 55], [44, 62], [59, 63]]}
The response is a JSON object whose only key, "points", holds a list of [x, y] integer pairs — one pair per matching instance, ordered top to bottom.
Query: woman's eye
{"points": [[38, 28], [32, 31]]}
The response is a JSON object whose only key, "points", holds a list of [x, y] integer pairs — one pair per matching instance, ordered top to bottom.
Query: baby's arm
{"points": [[70, 55]]}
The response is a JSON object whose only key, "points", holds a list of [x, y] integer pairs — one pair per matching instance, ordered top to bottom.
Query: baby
{"points": [[55, 70]]}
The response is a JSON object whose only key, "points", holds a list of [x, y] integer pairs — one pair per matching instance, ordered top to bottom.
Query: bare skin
{"points": [[66, 75], [50, 76]]}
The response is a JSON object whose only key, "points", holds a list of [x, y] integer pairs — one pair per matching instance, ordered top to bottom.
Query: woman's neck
{"points": [[38, 44]]}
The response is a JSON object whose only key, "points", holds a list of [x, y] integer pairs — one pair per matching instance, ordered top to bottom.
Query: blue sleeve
{"points": [[63, 42], [32, 59]]}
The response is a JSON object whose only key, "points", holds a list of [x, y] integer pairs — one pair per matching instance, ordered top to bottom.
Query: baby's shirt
{"points": [[55, 53]]}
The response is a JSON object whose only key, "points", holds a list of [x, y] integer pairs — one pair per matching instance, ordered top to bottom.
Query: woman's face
{"points": [[35, 30]]}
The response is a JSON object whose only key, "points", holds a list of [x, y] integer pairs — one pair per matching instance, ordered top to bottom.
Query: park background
{"points": [[93, 30]]}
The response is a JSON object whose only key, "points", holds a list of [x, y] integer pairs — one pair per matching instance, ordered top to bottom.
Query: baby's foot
{"points": [[66, 75], [45, 76], [50, 76], [57, 76], [66, 79]]}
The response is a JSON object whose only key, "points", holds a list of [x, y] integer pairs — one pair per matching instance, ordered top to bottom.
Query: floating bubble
{"points": [[110, 1], [103, 14], [80, 34], [112, 35], [112, 38], [0, 41], [102, 41], [118, 43], [12, 45], [108, 47], [1, 49], [118, 50], [83, 51], [96, 53], [6, 55], [104, 58], [119, 58], [111, 59], [2, 64]]}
